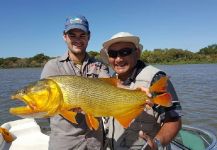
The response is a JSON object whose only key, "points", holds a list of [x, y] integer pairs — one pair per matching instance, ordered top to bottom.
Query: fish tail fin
{"points": [[160, 85], [164, 99], [69, 115], [92, 122]]}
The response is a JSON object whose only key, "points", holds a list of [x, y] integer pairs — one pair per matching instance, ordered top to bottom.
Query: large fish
{"points": [[96, 97]]}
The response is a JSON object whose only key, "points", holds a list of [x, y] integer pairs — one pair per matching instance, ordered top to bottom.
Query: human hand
{"points": [[148, 103], [150, 142]]}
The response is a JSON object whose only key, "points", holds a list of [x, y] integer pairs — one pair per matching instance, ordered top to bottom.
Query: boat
{"points": [[28, 135], [194, 138]]}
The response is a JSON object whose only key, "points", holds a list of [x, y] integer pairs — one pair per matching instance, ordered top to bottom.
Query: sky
{"points": [[30, 27]]}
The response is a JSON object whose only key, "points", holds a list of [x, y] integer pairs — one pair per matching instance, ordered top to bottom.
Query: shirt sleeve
{"points": [[50, 69], [168, 112]]}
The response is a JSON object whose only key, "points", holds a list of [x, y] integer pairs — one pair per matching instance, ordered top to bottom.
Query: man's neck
{"points": [[77, 58], [128, 77]]}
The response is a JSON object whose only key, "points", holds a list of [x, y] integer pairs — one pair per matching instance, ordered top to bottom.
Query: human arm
{"points": [[170, 119], [169, 130], [166, 134]]}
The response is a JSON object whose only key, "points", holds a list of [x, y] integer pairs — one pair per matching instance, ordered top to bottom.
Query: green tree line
{"points": [[157, 56], [38, 60]]}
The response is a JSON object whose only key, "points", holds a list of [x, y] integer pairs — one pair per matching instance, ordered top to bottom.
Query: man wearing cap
{"points": [[157, 125], [64, 134]]}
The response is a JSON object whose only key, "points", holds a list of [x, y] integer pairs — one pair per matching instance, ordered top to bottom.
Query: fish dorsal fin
{"points": [[112, 81], [160, 85], [69, 115], [128, 117], [92, 122]]}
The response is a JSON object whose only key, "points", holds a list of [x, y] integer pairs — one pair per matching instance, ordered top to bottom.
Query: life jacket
{"points": [[119, 138]]}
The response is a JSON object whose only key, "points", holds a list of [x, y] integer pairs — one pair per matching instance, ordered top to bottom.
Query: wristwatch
{"points": [[158, 143]]}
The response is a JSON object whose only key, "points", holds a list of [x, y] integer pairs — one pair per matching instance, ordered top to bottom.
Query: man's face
{"points": [[76, 40], [123, 57]]}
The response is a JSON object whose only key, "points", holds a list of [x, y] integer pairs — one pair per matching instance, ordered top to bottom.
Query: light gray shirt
{"points": [[64, 134]]}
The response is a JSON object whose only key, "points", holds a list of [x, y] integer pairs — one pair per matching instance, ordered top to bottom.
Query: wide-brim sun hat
{"points": [[119, 37], [122, 37]]}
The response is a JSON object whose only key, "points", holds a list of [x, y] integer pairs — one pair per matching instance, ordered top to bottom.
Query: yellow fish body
{"points": [[96, 97]]}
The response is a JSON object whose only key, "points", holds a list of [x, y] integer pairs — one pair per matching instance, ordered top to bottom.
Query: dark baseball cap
{"points": [[77, 22]]}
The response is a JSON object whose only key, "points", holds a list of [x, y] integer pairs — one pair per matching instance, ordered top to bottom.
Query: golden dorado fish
{"points": [[96, 97]]}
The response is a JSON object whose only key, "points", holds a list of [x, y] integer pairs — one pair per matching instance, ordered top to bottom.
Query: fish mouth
{"points": [[22, 110]]}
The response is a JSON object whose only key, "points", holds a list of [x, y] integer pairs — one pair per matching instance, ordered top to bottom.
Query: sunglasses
{"points": [[122, 52]]}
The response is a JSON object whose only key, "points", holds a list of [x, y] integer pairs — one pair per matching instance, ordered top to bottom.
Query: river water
{"points": [[196, 86]]}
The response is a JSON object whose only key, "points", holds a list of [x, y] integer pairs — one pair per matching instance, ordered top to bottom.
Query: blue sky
{"points": [[30, 27]]}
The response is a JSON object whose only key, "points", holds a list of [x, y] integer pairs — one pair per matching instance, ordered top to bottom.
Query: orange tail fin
{"points": [[160, 85], [164, 99]]}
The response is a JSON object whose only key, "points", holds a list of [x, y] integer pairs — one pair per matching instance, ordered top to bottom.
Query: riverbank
{"points": [[207, 55], [169, 63]]}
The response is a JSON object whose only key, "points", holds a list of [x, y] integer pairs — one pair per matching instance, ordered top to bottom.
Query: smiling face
{"points": [[77, 41], [123, 64]]}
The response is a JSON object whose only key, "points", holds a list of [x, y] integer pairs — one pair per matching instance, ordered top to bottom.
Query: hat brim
{"points": [[81, 27], [132, 39]]}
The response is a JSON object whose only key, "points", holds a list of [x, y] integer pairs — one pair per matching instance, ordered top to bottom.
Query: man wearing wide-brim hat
{"points": [[157, 125]]}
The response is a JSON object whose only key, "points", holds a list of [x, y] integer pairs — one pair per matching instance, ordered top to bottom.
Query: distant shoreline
{"points": [[207, 55], [186, 63]]}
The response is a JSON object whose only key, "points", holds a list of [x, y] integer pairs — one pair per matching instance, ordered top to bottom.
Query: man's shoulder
{"points": [[53, 61], [51, 65], [152, 68], [149, 71], [145, 76]]}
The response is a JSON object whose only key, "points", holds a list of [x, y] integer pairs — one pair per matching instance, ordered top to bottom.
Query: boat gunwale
{"points": [[211, 135]]}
